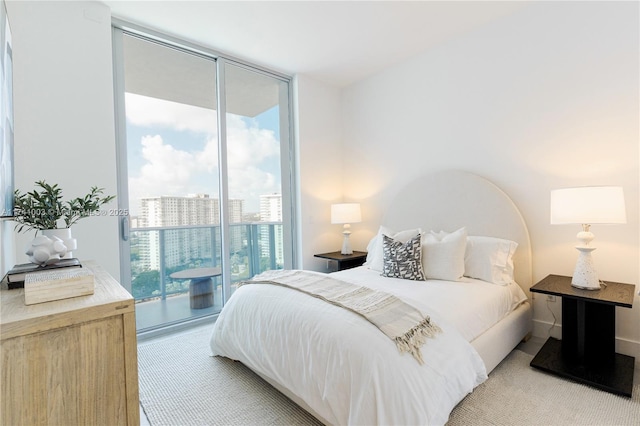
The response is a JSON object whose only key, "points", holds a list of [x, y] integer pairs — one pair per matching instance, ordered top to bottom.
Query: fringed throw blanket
{"points": [[402, 323]]}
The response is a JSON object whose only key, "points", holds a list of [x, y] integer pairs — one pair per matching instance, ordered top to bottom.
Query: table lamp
{"points": [[587, 206], [346, 214]]}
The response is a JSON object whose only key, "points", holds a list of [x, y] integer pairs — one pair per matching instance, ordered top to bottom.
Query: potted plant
{"points": [[43, 209]]}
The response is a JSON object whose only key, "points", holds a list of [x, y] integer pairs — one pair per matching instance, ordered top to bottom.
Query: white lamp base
{"points": [[346, 245], [585, 276]]}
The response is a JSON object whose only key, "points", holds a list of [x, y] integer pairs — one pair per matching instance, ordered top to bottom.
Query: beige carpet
{"points": [[180, 384], [517, 394]]}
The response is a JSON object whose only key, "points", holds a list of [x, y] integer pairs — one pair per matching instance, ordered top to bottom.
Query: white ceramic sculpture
{"points": [[65, 235], [46, 250]]}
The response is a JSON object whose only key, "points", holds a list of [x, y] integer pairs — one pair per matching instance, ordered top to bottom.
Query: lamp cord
{"points": [[602, 283], [554, 319]]}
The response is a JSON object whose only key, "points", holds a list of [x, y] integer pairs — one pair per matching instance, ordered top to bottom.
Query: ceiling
{"points": [[338, 42], [159, 72]]}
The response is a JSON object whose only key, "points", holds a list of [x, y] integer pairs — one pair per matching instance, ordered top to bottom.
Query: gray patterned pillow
{"points": [[402, 260]]}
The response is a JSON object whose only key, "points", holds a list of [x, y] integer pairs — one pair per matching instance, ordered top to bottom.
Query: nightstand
{"points": [[340, 261], [586, 352], [71, 361]]}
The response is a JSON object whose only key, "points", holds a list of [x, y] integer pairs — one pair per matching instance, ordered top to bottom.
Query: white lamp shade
{"points": [[588, 205], [345, 213]]}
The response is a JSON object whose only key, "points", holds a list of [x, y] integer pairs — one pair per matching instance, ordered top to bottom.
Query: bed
{"points": [[342, 369]]}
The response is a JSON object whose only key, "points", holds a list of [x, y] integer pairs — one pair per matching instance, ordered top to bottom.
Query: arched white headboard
{"points": [[449, 200]]}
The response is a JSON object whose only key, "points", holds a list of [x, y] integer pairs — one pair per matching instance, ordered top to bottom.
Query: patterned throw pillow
{"points": [[402, 260]]}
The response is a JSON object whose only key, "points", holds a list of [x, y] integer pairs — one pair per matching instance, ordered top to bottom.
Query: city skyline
{"points": [[274, 213], [191, 241]]}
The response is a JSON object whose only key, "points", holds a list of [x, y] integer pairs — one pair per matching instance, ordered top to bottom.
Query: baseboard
{"points": [[175, 328], [545, 329], [628, 347]]}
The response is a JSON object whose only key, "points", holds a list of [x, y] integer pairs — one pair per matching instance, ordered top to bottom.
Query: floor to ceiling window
{"points": [[205, 172]]}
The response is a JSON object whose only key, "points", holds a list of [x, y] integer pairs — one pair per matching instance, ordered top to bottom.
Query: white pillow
{"points": [[371, 249], [443, 254], [375, 257], [490, 259]]}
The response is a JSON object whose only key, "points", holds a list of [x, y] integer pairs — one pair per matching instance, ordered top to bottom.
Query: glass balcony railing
{"points": [[157, 252]]}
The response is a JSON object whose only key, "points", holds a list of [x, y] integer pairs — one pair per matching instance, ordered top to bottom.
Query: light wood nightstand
{"points": [[71, 361]]}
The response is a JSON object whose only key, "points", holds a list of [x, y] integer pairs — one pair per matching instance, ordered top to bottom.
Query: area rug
{"points": [[181, 384], [517, 394]]}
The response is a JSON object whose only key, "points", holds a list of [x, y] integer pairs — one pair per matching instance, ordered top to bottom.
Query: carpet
{"points": [[181, 384], [517, 394]]}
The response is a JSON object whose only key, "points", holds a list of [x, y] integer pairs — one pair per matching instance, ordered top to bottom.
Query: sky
{"points": [[172, 149]]}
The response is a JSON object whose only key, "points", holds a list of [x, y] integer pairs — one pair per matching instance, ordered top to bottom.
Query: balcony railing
{"points": [[157, 252]]}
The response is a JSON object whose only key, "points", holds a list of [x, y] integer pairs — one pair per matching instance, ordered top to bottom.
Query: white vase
{"points": [[65, 235], [46, 250]]}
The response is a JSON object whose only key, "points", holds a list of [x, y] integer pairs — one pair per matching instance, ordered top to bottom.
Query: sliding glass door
{"points": [[256, 111], [203, 146]]}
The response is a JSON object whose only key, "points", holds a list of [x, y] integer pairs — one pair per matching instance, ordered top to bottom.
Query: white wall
{"points": [[542, 99], [64, 120], [319, 152]]}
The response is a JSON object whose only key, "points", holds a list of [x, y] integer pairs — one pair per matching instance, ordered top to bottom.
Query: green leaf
{"points": [[42, 207]]}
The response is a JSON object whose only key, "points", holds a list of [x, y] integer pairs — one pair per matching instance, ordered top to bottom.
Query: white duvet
{"points": [[471, 306], [343, 367]]}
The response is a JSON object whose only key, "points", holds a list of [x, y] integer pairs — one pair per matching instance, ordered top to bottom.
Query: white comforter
{"points": [[471, 306], [341, 365]]}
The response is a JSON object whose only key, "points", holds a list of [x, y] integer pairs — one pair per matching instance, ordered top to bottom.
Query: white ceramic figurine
{"points": [[45, 251]]}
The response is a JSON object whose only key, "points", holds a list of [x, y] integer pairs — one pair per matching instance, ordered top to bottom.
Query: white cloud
{"points": [[147, 112], [247, 146], [207, 159], [176, 170], [167, 171], [249, 184]]}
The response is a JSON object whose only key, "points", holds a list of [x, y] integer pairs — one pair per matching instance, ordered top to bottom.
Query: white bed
{"points": [[342, 369]]}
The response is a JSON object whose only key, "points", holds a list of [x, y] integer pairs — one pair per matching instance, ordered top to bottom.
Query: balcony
{"points": [[158, 252]]}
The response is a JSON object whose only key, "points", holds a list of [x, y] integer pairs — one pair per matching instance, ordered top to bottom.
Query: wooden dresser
{"points": [[71, 361]]}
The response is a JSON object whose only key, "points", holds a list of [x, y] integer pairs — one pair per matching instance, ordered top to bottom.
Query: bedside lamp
{"points": [[587, 206], [346, 214]]}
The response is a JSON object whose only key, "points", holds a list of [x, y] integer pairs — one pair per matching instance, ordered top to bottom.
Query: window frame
{"points": [[287, 144]]}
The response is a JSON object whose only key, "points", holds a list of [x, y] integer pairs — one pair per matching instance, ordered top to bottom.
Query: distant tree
{"points": [[265, 264], [145, 284]]}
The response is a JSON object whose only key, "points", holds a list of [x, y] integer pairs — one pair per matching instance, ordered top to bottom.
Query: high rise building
{"points": [[271, 211], [182, 245]]}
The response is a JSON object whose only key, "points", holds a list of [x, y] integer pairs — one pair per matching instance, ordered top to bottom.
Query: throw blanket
{"points": [[402, 323]]}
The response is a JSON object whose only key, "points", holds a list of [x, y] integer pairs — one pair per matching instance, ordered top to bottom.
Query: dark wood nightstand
{"points": [[341, 261], [586, 352]]}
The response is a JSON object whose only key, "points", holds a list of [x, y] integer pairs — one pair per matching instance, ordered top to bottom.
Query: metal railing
{"points": [[157, 252]]}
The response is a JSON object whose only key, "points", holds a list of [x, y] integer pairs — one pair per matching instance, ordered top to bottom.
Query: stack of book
{"points": [[16, 276], [61, 283]]}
